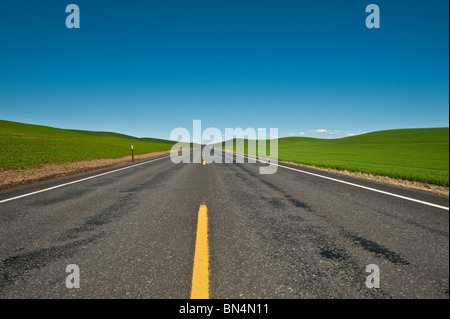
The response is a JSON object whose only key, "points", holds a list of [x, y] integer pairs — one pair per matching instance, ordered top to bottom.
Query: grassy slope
{"points": [[112, 134], [25, 145], [413, 154]]}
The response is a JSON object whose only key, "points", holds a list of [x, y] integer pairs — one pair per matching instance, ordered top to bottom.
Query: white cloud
{"points": [[319, 131], [324, 133], [296, 134], [332, 134]]}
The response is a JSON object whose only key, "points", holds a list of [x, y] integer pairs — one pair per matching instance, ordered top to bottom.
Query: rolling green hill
{"points": [[112, 134], [26, 145], [414, 154]]}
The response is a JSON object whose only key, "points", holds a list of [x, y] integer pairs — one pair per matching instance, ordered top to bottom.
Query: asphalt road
{"points": [[132, 233]]}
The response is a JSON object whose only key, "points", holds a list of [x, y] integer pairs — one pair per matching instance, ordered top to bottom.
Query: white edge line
{"points": [[79, 180], [348, 183]]}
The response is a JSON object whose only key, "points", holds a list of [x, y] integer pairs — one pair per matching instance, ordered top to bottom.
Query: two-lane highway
{"points": [[133, 233]]}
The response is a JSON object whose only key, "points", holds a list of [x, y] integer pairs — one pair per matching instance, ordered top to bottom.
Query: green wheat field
{"points": [[25, 145], [420, 155]]}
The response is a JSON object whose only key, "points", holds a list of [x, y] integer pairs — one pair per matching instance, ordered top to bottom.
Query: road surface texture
{"points": [[132, 233]]}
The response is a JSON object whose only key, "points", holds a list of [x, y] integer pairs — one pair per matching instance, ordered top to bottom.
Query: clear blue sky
{"points": [[146, 67]]}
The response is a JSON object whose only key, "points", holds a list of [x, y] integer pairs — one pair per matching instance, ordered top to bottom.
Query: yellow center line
{"points": [[200, 276]]}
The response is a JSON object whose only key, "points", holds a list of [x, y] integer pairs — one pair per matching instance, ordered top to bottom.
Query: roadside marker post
{"points": [[132, 154]]}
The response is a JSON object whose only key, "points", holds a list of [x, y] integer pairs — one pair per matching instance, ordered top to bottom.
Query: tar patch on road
{"points": [[377, 249], [334, 254], [15, 267]]}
